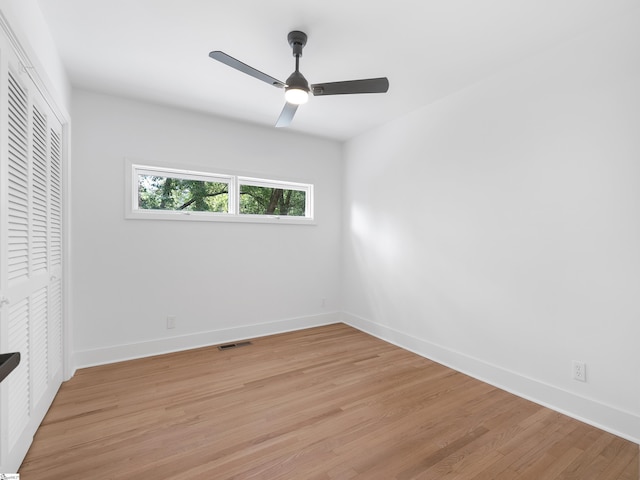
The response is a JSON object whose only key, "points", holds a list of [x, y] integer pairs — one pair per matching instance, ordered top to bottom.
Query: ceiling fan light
{"points": [[296, 96]]}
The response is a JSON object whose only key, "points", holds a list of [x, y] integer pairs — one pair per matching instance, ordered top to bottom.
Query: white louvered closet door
{"points": [[30, 257]]}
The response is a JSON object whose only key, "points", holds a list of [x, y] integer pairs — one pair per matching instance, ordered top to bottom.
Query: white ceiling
{"points": [[157, 50]]}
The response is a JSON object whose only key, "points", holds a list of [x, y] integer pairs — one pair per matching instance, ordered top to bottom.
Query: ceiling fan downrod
{"points": [[297, 89]]}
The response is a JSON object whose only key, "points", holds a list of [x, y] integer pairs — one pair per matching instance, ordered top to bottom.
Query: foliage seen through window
{"points": [[167, 193], [257, 200]]}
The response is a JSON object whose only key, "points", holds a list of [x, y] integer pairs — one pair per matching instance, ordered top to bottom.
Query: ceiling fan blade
{"points": [[244, 68], [369, 85], [289, 110]]}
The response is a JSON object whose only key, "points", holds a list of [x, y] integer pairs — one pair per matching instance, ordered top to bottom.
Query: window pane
{"points": [[179, 194], [271, 201]]}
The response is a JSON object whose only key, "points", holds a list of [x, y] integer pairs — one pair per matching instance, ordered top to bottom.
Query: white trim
{"points": [[261, 182], [216, 217], [67, 314], [118, 353], [605, 417]]}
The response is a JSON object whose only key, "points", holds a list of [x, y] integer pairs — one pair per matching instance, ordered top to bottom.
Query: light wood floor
{"points": [[324, 403]]}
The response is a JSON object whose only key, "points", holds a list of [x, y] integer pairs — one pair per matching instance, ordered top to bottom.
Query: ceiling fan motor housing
{"points": [[297, 40], [297, 80]]}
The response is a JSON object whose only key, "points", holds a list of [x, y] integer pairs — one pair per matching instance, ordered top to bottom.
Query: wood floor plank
{"points": [[320, 404]]}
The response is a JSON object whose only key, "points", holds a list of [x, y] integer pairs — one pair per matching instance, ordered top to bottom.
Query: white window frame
{"points": [[138, 170], [261, 182], [132, 211]]}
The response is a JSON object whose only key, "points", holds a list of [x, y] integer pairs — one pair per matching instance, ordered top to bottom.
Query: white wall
{"points": [[498, 230], [223, 281]]}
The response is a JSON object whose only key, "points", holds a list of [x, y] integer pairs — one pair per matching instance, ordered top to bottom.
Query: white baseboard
{"points": [[118, 353], [605, 417]]}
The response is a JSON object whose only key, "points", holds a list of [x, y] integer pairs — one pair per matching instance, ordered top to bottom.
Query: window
{"points": [[175, 191], [167, 193], [263, 197]]}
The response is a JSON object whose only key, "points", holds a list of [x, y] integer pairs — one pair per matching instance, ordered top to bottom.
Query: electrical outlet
{"points": [[323, 302], [171, 321], [579, 371]]}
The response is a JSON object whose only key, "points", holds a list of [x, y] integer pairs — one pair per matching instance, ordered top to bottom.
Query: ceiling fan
{"points": [[296, 87]]}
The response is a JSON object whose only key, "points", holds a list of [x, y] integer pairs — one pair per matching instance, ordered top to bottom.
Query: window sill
{"points": [[221, 217]]}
